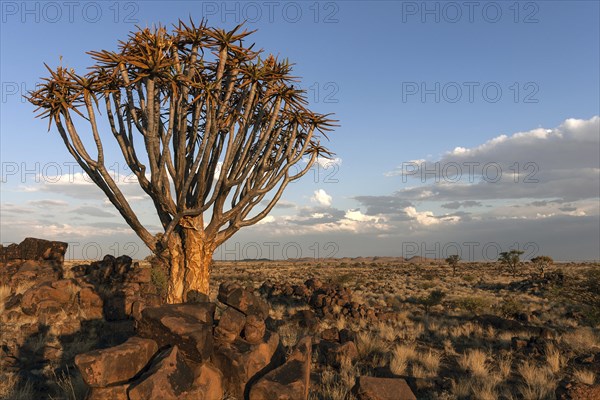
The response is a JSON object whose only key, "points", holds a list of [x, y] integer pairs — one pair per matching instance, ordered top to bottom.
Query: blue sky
{"points": [[416, 86]]}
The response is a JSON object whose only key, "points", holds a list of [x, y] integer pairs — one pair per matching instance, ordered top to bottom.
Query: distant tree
{"points": [[202, 121], [511, 260], [453, 262], [542, 262], [434, 298]]}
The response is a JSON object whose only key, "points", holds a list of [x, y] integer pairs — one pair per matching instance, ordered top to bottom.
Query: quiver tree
{"points": [[207, 126], [453, 260], [511, 260], [542, 262]]}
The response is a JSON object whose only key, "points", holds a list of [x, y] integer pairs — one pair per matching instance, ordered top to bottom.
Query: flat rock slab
{"points": [[243, 300], [188, 326], [101, 368], [169, 378]]}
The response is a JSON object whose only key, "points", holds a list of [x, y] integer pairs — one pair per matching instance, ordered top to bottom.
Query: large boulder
{"points": [[34, 249], [45, 298], [243, 300], [230, 325], [189, 326], [242, 362], [100, 368], [168, 378], [290, 381], [208, 384], [370, 388], [118, 392]]}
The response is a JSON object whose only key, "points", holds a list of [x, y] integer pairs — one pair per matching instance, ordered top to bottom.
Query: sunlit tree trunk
{"points": [[190, 257]]}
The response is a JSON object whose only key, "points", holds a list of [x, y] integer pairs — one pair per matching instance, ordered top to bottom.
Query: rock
{"points": [[34, 249], [122, 265], [140, 275], [313, 284], [196, 297], [44, 298], [242, 300], [91, 303], [306, 319], [230, 325], [189, 326], [254, 330], [331, 334], [346, 335], [518, 343], [337, 355], [241, 361], [101, 368], [169, 378], [290, 381], [208, 384], [370, 388], [578, 391], [118, 392]]}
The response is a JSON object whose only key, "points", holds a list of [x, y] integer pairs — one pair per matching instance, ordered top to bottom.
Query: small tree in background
{"points": [[207, 126], [511, 260], [453, 262], [542, 263], [434, 298]]}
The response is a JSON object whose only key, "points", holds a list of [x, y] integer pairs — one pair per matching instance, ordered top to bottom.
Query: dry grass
{"points": [[5, 291], [581, 339], [370, 345], [401, 355], [554, 359], [474, 362], [584, 376], [538, 382], [11, 388]]}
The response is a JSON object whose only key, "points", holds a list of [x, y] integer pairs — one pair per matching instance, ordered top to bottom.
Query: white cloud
{"points": [[321, 197]]}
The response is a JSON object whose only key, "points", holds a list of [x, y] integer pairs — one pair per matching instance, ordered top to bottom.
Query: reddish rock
{"points": [[34, 249], [140, 275], [313, 284], [44, 298], [242, 300], [91, 303], [230, 325], [188, 326], [254, 330], [331, 334], [339, 354], [240, 361], [100, 368], [169, 378], [290, 381], [208, 384], [370, 388], [578, 391], [118, 392]]}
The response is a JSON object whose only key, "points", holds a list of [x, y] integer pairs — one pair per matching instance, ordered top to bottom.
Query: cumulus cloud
{"points": [[541, 163], [321, 197]]}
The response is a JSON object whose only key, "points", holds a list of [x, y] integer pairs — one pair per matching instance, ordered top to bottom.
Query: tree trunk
{"points": [[190, 258]]}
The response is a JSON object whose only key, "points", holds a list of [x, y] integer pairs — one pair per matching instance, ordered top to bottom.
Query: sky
{"points": [[466, 128]]}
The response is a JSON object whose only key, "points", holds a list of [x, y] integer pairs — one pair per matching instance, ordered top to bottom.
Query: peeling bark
{"points": [[190, 253]]}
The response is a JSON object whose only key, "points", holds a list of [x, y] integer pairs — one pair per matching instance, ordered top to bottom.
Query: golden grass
{"points": [[401, 355], [474, 362], [584, 376], [538, 382]]}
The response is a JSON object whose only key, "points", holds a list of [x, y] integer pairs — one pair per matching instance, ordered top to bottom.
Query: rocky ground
{"points": [[368, 328]]}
